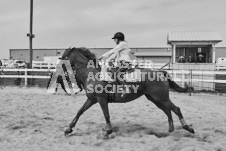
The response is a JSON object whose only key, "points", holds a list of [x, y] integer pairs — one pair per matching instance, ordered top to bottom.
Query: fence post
{"points": [[183, 77], [2, 78], [25, 78], [190, 82]]}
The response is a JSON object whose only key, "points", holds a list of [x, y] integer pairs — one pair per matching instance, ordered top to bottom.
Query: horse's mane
{"points": [[82, 50], [86, 52]]}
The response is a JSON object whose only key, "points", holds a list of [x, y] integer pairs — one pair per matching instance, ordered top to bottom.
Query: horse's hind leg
{"points": [[85, 106], [104, 106], [165, 106], [177, 111]]}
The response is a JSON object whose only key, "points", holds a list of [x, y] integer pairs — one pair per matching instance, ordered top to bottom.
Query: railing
{"points": [[142, 64], [151, 65], [220, 66], [23, 73], [183, 73], [204, 79], [201, 80]]}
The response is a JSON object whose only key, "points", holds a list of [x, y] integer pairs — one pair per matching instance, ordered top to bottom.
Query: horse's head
{"points": [[66, 54], [78, 57]]}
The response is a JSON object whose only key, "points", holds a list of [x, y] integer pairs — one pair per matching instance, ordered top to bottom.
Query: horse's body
{"points": [[155, 90]]}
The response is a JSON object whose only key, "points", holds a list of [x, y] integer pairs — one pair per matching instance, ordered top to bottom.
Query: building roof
{"points": [[193, 37], [43, 49], [162, 54]]}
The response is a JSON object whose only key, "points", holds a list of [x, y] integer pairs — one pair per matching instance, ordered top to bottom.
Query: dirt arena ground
{"points": [[31, 119]]}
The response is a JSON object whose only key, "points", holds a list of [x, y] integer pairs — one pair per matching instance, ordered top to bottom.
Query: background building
{"points": [[182, 45], [156, 54]]}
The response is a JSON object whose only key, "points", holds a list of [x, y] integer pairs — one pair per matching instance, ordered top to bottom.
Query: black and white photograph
{"points": [[82, 75]]}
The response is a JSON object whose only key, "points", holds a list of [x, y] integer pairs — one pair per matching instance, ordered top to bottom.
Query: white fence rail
{"points": [[142, 64], [151, 65], [218, 66], [221, 66], [23, 73], [198, 73], [183, 76], [201, 80]]}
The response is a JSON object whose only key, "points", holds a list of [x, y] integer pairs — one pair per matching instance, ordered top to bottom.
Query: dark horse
{"points": [[155, 90]]}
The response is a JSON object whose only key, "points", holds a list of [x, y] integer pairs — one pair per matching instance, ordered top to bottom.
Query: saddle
{"points": [[128, 73], [122, 76]]}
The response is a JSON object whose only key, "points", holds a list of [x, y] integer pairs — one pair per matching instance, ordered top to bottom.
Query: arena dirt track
{"points": [[31, 119]]}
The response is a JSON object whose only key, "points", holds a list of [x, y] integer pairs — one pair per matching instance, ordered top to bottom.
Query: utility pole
{"points": [[30, 35]]}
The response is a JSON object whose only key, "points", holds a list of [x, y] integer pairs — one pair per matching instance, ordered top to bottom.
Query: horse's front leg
{"points": [[57, 85], [85, 106], [104, 106]]}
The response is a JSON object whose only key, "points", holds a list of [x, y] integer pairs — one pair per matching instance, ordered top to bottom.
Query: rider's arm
{"points": [[119, 47], [111, 57]]}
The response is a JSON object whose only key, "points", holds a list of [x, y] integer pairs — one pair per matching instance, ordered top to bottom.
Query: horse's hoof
{"points": [[171, 130], [191, 130], [68, 131], [109, 132], [106, 137]]}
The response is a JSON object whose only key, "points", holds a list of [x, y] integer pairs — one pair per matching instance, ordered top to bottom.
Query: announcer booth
{"points": [[189, 47], [194, 51]]}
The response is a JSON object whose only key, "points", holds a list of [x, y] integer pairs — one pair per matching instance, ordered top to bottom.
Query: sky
{"points": [[92, 23]]}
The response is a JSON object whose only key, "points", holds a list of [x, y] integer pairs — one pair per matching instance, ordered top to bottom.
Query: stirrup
{"points": [[125, 92]]}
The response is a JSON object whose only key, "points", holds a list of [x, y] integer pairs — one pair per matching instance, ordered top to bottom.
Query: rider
{"points": [[121, 54]]}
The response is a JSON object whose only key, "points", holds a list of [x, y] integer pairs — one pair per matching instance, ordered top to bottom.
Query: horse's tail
{"points": [[173, 85]]}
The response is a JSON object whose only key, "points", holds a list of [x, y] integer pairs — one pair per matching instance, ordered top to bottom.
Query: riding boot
{"points": [[104, 75], [125, 89]]}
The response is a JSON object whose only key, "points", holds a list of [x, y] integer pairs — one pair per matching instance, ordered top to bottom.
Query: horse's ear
{"points": [[71, 47]]}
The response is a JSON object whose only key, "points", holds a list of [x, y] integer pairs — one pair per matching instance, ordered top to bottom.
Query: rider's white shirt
{"points": [[120, 52]]}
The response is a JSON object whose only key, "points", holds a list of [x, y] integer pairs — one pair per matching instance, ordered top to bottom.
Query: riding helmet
{"points": [[119, 36]]}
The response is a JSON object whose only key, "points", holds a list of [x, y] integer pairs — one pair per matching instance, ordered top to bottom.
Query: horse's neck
{"points": [[83, 73]]}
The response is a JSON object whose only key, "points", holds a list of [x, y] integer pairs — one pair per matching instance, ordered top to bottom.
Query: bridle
{"points": [[74, 69]]}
